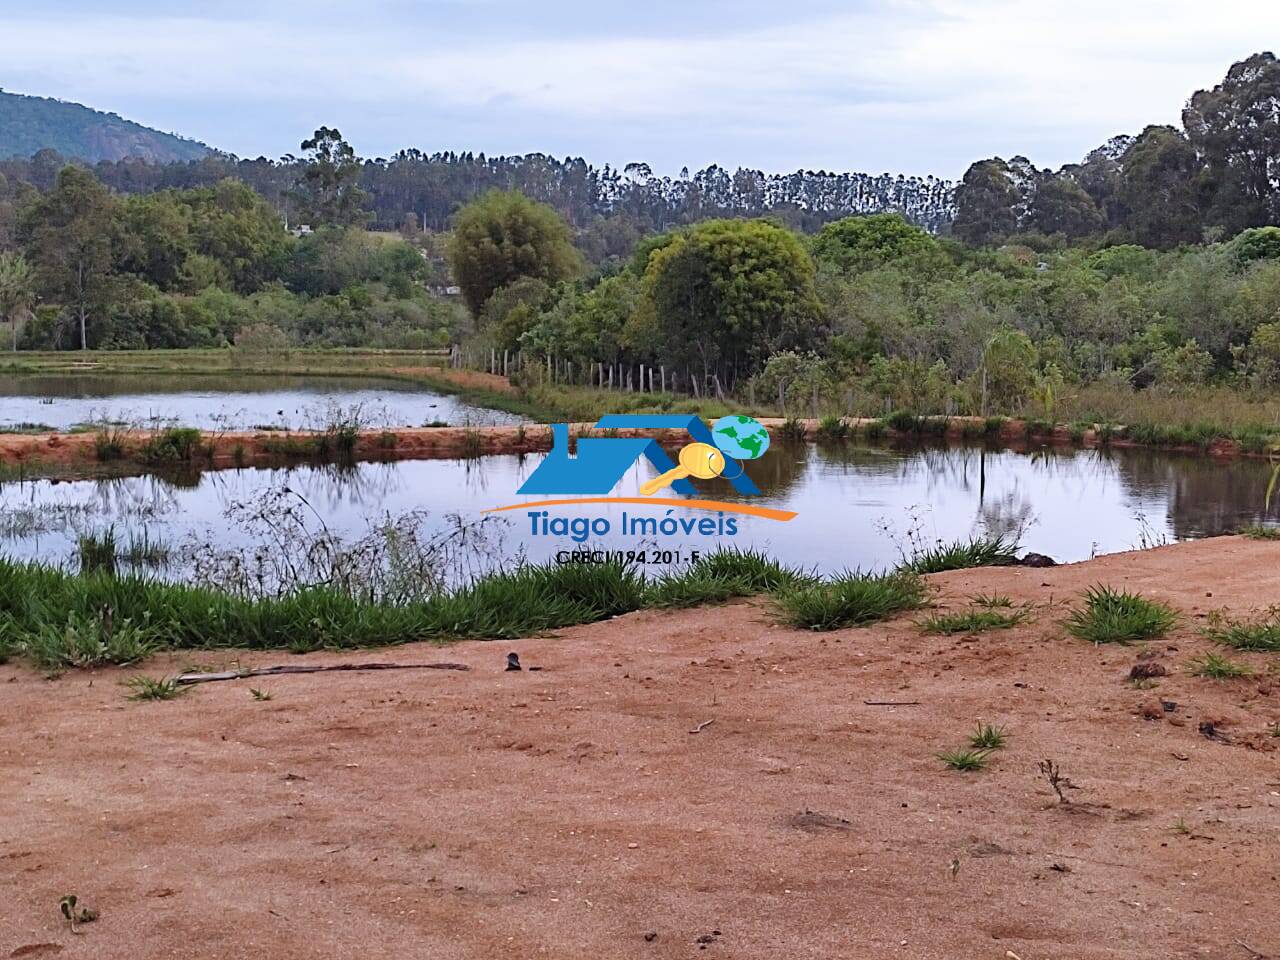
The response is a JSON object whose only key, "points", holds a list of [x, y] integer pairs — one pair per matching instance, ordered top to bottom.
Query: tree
{"points": [[1235, 127], [327, 187], [1157, 189], [986, 204], [1061, 206], [70, 231], [504, 236], [861, 243], [17, 290], [727, 294]]}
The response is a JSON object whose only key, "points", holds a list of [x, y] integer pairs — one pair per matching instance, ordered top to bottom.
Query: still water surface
{"points": [[239, 401], [858, 506]]}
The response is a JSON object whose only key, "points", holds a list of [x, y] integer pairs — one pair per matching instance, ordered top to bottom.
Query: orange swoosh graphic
{"points": [[767, 513]]}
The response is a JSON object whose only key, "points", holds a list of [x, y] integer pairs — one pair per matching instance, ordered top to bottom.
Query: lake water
{"points": [[240, 401], [857, 506]]}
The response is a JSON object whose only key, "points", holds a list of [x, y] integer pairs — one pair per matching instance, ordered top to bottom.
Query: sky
{"points": [[902, 86]]}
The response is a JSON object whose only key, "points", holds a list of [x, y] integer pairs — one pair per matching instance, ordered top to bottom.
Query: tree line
{"points": [[1218, 174], [84, 266]]}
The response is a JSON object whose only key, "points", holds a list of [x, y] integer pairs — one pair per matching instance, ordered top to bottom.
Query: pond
{"points": [[226, 401], [857, 506]]}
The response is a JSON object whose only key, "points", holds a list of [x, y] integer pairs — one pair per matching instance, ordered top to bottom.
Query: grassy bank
{"points": [[57, 619]]}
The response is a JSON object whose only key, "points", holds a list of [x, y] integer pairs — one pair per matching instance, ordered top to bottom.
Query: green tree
{"points": [[1235, 127], [327, 189], [1157, 189], [987, 202], [1061, 206], [69, 234], [503, 236], [855, 244], [17, 290], [727, 294]]}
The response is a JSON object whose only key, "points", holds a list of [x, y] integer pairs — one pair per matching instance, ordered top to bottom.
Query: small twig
{"points": [[188, 678], [892, 703], [702, 726], [1257, 955]]}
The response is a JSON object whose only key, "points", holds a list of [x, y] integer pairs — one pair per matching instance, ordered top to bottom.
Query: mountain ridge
{"points": [[29, 124]]}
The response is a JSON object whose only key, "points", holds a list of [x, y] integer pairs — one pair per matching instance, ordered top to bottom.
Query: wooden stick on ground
{"points": [[188, 678]]}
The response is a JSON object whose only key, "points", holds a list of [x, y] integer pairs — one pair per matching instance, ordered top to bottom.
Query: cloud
{"points": [[913, 85]]}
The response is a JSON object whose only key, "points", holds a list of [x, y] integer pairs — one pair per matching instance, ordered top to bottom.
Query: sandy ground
{"points": [[573, 812]]}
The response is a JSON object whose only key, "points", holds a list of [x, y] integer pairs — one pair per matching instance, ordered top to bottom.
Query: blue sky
{"points": [[909, 86]]}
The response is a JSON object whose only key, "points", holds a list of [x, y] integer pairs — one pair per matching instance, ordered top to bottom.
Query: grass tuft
{"points": [[1259, 532], [998, 551], [851, 600], [1116, 616], [972, 621], [1261, 635], [1216, 667], [151, 688], [988, 737], [965, 760]]}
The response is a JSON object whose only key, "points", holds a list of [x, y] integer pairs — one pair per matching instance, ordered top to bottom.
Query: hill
{"points": [[29, 124]]}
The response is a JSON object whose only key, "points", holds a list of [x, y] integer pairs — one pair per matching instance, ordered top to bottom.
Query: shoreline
{"points": [[76, 455]]}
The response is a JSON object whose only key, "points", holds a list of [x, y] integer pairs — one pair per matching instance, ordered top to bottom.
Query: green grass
{"points": [[792, 429], [833, 430], [108, 442], [172, 445], [1259, 532], [97, 551], [998, 551], [721, 576], [851, 600], [990, 600], [1117, 616], [972, 621], [1261, 635], [82, 639], [1216, 667], [151, 688], [259, 695], [988, 737], [965, 760]]}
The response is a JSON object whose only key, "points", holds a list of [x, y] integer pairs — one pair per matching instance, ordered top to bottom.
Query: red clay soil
{"points": [[574, 812]]}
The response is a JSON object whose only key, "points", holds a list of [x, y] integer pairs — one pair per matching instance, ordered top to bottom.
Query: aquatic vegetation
{"points": [[833, 429], [109, 442], [172, 445], [1117, 616]]}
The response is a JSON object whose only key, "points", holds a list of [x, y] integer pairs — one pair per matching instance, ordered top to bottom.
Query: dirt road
{"points": [[572, 812]]}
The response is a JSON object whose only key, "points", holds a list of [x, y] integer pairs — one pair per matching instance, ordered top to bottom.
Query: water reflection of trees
{"points": [[1204, 496]]}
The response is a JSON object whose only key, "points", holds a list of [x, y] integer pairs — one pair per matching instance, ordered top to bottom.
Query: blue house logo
{"points": [[600, 462]]}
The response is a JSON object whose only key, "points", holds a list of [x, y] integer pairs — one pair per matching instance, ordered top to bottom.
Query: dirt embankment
{"points": [[73, 454], [574, 812]]}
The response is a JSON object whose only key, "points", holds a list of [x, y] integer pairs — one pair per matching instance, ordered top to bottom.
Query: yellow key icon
{"points": [[700, 460]]}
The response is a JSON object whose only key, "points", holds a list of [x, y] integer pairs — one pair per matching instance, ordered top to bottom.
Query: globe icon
{"points": [[742, 438]]}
